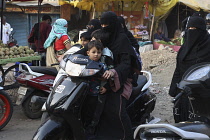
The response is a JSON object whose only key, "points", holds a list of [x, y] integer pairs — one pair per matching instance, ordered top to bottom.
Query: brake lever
{"points": [[177, 97]]}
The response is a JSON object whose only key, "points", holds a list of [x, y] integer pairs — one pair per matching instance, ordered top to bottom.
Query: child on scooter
{"points": [[95, 99]]}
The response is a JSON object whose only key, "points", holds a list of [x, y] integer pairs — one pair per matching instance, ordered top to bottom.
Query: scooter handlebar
{"points": [[178, 96]]}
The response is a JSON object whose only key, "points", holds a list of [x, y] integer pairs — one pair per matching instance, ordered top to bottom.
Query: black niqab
{"points": [[96, 25], [117, 36], [194, 40]]}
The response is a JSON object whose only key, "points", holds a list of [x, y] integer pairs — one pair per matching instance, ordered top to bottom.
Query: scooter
{"points": [[35, 83], [195, 85], [67, 96]]}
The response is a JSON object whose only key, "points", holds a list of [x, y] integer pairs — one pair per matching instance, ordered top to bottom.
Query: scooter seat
{"points": [[45, 70], [142, 80], [195, 127], [202, 128]]}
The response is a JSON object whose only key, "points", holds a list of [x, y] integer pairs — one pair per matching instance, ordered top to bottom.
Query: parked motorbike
{"points": [[12, 41], [35, 82], [195, 85], [35, 86], [66, 100], [6, 108]]}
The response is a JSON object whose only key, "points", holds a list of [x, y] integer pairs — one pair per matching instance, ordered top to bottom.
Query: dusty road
{"points": [[19, 127]]}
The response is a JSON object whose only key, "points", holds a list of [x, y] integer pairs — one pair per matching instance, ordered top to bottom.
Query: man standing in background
{"points": [[6, 30], [38, 36]]}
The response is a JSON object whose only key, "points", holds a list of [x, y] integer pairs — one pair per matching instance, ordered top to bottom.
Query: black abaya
{"points": [[196, 49], [115, 123]]}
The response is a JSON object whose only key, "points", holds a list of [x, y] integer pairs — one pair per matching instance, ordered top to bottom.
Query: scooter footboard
{"points": [[50, 130]]}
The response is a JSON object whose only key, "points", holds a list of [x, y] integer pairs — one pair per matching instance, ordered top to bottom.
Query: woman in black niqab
{"points": [[93, 24], [130, 36], [196, 49], [115, 122]]}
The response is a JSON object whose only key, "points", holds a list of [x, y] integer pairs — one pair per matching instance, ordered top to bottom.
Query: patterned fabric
{"points": [[58, 30], [60, 43], [61, 52]]}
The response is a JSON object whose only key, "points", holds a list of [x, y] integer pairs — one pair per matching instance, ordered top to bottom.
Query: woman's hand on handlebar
{"points": [[108, 74]]}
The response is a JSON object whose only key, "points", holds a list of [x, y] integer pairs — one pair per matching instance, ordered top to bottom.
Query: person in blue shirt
{"points": [[160, 36]]}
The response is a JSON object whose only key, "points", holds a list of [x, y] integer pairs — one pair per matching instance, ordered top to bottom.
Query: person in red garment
{"points": [[38, 36], [58, 42]]}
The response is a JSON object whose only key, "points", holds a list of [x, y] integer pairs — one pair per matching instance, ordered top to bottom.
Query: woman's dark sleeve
{"points": [[165, 38], [133, 41], [123, 69], [107, 86], [173, 91]]}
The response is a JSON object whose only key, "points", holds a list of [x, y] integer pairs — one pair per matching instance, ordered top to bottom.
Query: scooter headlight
{"points": [[73, 69], [89, 72], [198, 73]]}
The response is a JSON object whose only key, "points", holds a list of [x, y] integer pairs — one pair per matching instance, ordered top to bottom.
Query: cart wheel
{"points": [[1, 74], [9, 81]]}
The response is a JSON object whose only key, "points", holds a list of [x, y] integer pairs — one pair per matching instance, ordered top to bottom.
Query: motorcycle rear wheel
{"points": [[6, 109], [30, 110]]}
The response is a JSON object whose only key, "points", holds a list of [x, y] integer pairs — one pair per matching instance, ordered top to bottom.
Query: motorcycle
{"points": [[35, 83], [195, 85], [66, 100], [6, 108]]}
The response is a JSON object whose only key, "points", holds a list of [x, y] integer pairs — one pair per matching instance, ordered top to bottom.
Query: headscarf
{"points": [[122, 21], [94, 24], [57, 31], [195, 39]]}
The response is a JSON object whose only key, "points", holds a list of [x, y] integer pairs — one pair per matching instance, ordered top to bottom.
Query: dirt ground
{"points": [[161, 63]]}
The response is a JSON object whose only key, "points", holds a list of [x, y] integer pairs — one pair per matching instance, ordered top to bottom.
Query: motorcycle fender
{"points": [[48, 130]]}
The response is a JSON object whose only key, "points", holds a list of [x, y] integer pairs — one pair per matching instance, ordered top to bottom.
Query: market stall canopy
{"points": [[34, 2], [197, 4], [161, 6]]}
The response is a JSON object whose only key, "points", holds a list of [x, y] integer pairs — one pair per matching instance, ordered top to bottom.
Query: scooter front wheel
{"points": [[6, 109], [32, 111]]}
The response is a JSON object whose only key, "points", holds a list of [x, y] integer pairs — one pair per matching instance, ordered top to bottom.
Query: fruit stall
{"points": [[175, 44], [10, 56]]}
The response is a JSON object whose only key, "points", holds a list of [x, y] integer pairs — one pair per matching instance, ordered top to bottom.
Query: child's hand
{"points": [[108, 74], [102, 90]]}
